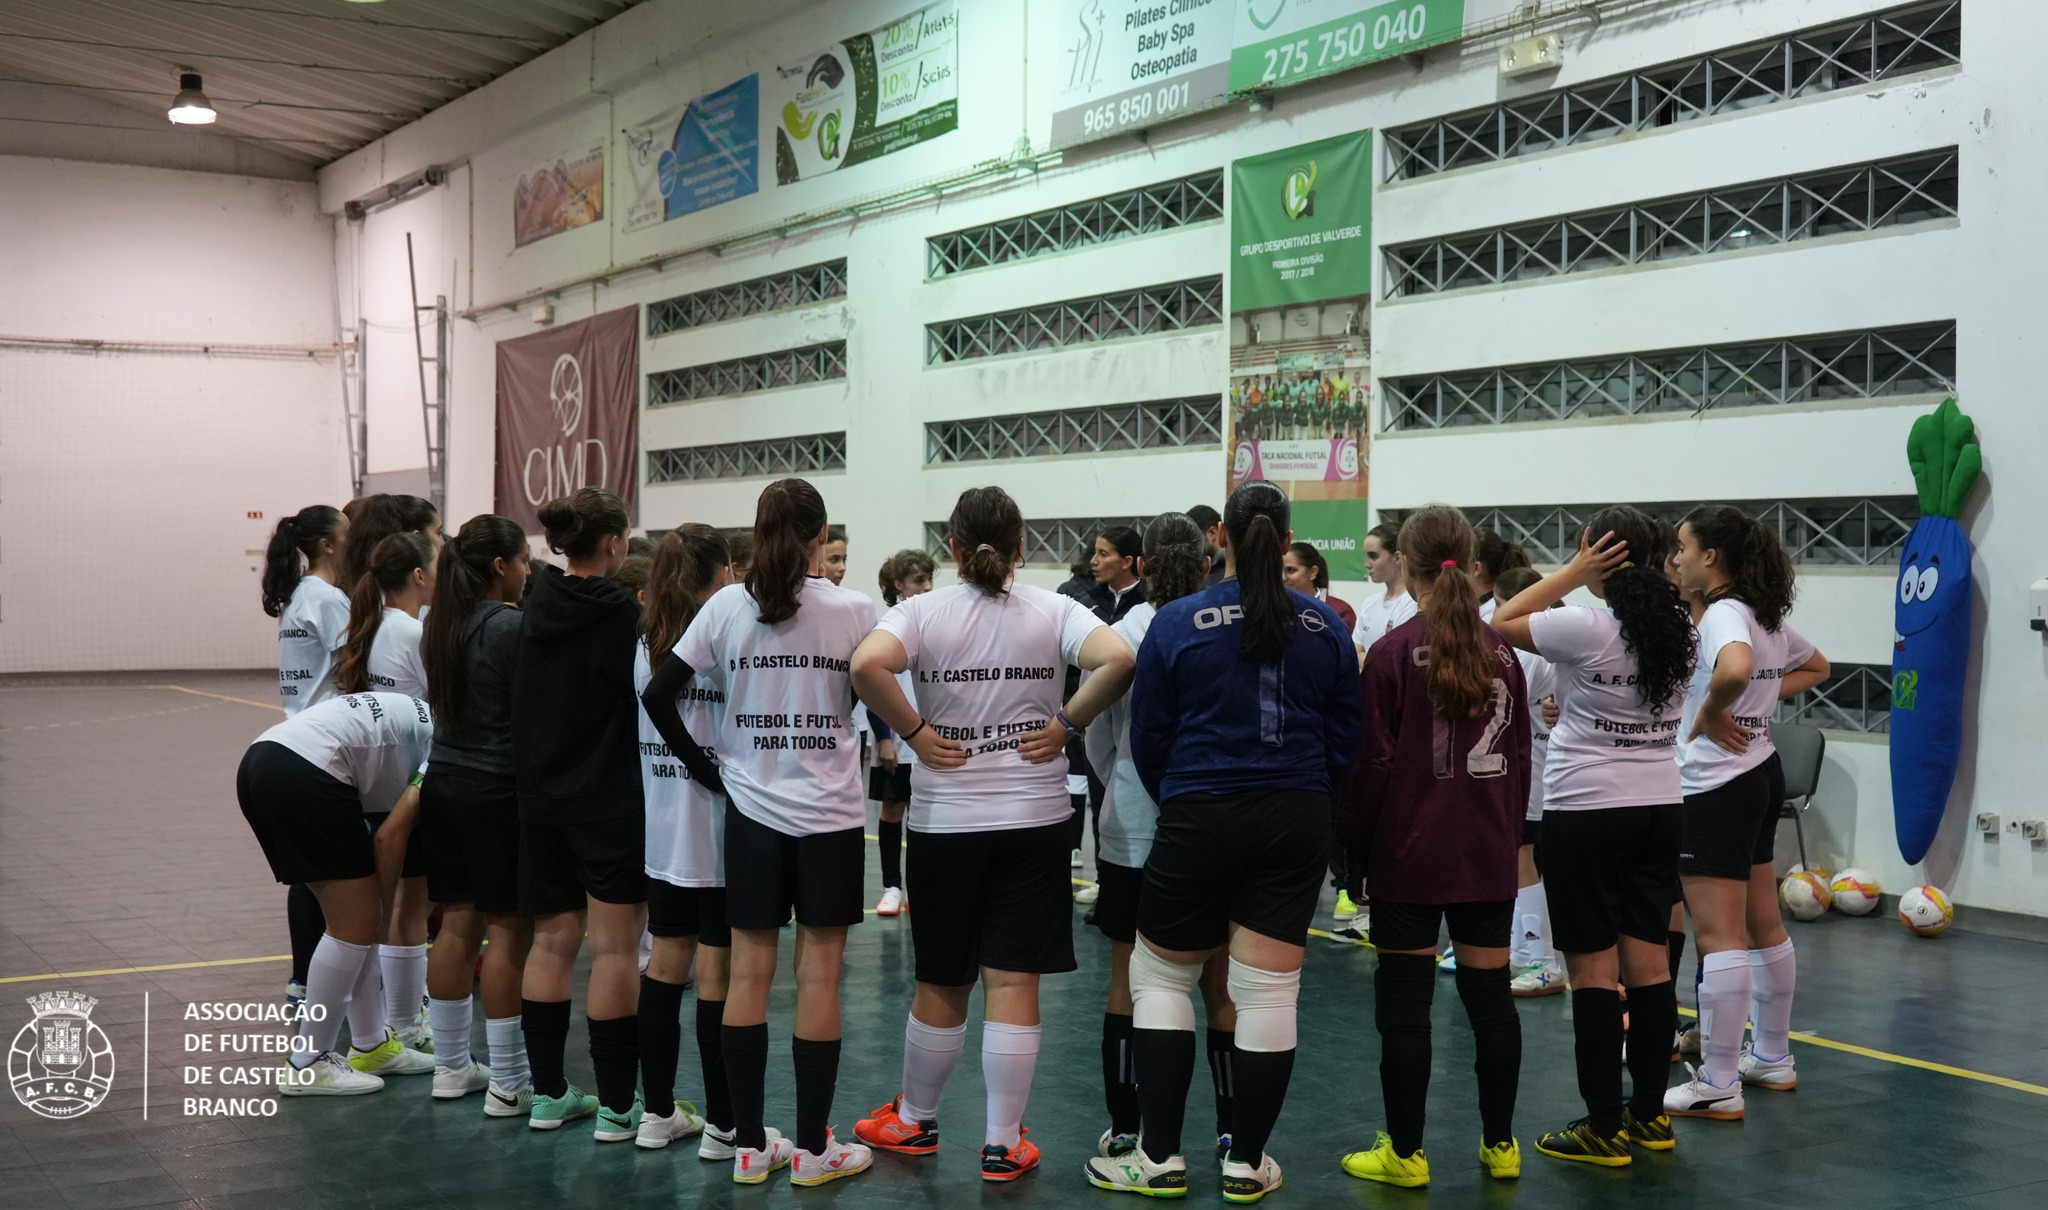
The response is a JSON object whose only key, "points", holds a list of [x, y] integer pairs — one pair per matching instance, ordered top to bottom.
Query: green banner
{"points": [[1277, 42], [1301, 224], [1337, 529]]}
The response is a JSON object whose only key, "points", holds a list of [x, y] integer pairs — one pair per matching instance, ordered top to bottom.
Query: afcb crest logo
{"points": [[61, 1065]]}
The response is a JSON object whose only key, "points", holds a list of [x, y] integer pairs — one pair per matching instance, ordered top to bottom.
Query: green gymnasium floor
{"points": [[126, 872]]}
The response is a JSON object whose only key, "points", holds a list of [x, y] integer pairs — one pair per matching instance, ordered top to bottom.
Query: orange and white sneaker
{"points": [[892, 902], [889, 1130], [837, 1160], [1000, 1163], [751, 1167]]}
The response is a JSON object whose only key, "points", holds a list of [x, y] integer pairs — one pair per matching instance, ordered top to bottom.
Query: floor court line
{"points": [[221, 697]]}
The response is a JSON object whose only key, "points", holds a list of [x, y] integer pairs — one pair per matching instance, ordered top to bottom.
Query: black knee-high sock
{"points": [[889, 836], [305, 920], [1675, 942], [1403, 987], [1653, 1017], [546, 1026], [1596, 1036], [1497, 1037], [661, 1042], [1222, 1044], [615, 1055], [711, 1056], [1165, 1063], [746, 1072], [1119, 1074], [817, 1077], [1261, 1082]]}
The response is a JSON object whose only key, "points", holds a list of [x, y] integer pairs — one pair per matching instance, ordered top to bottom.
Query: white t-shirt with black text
{"points": [[1378, 617], [310, 633], [395, 665], [989, 671], [1542, 681], [374, 742], [787, 748], [1608, 749], [1703, 764], [685, 821]]}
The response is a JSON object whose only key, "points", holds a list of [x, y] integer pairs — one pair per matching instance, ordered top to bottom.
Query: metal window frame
{"points": [[1880, 46], [1893, 192], [1164, 206], [756, 296], [1148, 310], [1872, 364], [741, 375], [1157, 424], [805, 455], [1831, 531], [1048, 542], [1855, 698]]}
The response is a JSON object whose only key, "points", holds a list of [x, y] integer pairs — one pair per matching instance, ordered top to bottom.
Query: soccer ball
{"points": [[1855, 892], [1804, 895], [1925, 910]]}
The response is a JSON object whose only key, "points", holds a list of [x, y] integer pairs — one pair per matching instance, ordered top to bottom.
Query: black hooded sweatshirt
{"points": [[575, 727]]}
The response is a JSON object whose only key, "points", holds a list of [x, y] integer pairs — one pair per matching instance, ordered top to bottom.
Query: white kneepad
{"points": [[1161, 991], [1265, 1007]]}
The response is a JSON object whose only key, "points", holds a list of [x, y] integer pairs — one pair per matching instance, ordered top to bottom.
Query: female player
{"points": [[379, 518], [835, 557], [1492, 557], [1115, 563], [1175, 565], [1383, 566], [1308, 573], [905, 574], [778, 648], [1245, 716], [1734, 784], [304, 786], [1437, 803], [988, 812], [469, 813], [1612, 818], [582, 835], [1538, 970]]}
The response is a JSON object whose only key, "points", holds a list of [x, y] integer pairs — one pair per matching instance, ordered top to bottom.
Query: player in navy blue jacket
{"points": [[1244, 718]]}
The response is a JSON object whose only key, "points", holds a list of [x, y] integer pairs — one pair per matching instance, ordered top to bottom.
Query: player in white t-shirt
{"points": [[1494, 556], [905, 574], [1377, 617], [779, 648], [1734, 786], [988, 817], [1612, 818], [1538, 969]]}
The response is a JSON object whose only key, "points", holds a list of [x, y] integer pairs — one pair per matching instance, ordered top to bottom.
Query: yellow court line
{"points": [[221, 697], [143, 970], [1885, 1056]]}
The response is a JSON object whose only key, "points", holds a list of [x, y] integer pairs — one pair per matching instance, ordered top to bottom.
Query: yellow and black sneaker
{"points": [[1654, 1134], [1580, 1142]]}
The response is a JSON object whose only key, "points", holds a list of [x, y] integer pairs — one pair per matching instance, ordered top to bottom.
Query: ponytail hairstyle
{"points": [[379, 517], [1256, 518], [788, 519], [578, 524], [986, 531], [296, 537], [1126, 542], [1437, 542], [1174, 548], [1499, 554], [1308, 556], [686, 562], [391, 565], [900, 566], [1759, 570], [461, 578], [1656, 627]]}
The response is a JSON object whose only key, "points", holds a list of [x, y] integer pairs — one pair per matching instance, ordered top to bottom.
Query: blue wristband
{"points": [[1061, 715]]}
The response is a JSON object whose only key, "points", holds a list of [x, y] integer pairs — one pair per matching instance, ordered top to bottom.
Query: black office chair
{"points": [[1800, 749]]}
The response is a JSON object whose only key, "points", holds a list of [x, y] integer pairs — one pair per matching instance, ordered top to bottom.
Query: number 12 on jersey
{"points": [[1484, 733]]}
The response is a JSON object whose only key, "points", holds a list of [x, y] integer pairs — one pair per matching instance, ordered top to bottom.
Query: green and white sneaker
{"points": [[390, 1057], [548, 1113], [624, 1127], [657, 1132], [1136, 1173], [1245, 1183]]}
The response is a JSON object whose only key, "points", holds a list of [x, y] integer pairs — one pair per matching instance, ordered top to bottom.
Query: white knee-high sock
{"points": [[1532, 917], [1772, 973], [330, 977], [405, 981], [366, 1005], [1724, 1006], [450, 1020], [507, 1044], [929, 1056], [1009, 1058]]}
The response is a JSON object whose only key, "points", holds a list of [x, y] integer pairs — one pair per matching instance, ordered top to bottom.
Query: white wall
{"points": [[127, 478]]}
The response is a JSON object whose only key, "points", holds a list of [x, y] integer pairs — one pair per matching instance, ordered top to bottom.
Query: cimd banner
{"points": [[1280, 42], [869, 95], [700, 154], [1301, 224]]}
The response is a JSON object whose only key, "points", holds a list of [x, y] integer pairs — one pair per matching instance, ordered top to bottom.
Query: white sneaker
{"points": [[1076, 862], [1087, 894], [891, 902], [1543, 977], [417, 1037], [1689, 1040], [391, 1057], [328, 1075], [1778, 1075], [451, 1083], [1701, 1098], [503, 1102], [658, 1132], [716, 1146], [1112, 1146], [837, 1160], [751, 1167], [1136, 1173], [1244, 1183]]}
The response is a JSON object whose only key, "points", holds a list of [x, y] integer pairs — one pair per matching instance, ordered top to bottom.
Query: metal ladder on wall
{"points": [[434, 402]]}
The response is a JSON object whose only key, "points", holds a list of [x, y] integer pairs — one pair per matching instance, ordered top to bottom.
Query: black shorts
{"points": [[889, 785], [309, 822], [469, 824], [1734, 826], [1531, 829], [415, 846], [1253, 859], [561, 863], [1610, 872], [771, 873], [1001, 899], [1116, 902], [688, 911], [1413, 926]]}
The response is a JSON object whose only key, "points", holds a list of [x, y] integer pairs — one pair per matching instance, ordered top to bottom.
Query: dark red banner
{"points": [[568, 414]]}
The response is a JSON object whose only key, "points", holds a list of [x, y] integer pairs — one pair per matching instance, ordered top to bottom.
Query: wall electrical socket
{"points": [[1987, 821], [2035, 830]]}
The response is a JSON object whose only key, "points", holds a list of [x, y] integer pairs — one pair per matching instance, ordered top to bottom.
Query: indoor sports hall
{"points": [[471, 474]]}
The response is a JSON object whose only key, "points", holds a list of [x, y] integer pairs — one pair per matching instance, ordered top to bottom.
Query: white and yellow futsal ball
{"points": [[1855, 892], [1804, 895], [1926, 910]]}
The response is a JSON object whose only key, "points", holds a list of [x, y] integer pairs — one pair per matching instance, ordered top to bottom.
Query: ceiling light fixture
{"points": [[190, 107]]}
